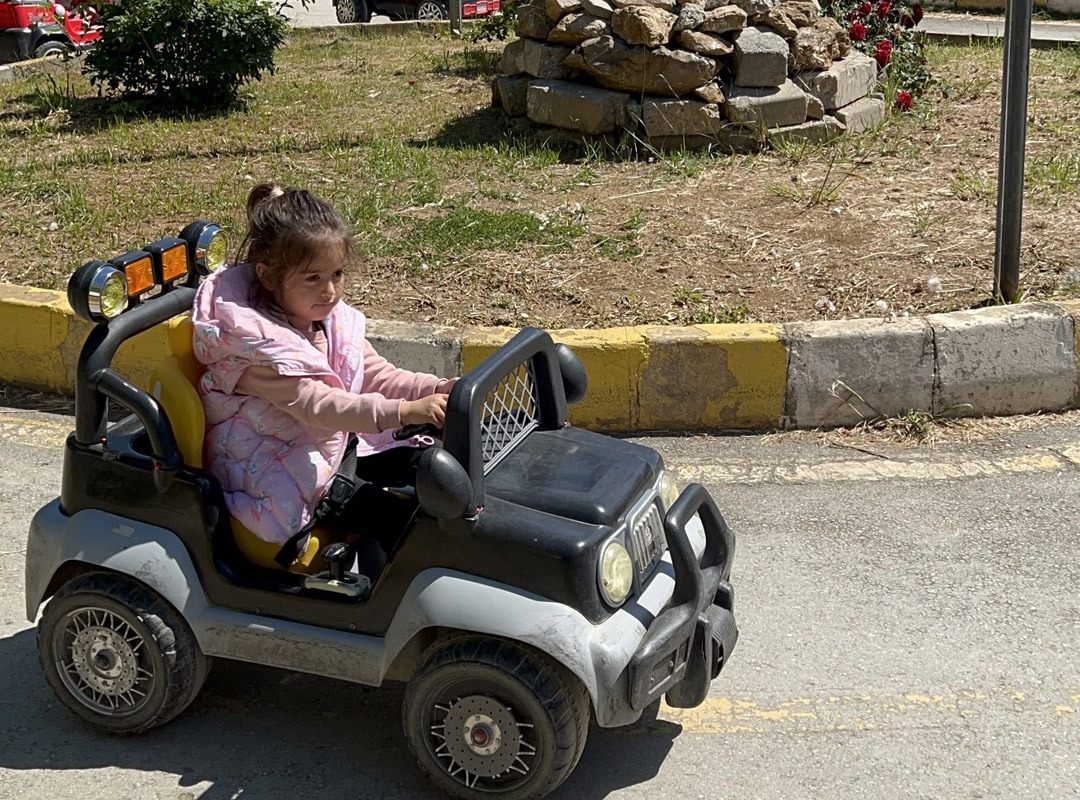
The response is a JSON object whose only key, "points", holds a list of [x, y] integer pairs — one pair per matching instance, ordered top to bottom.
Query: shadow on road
{"points": [[267, 733]]}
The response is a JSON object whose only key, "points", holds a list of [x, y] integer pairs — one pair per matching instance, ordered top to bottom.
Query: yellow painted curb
{"points": [[40, 340], [713, 377]]}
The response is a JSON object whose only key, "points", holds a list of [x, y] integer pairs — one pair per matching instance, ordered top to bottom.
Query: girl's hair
{"points": [[287, 228]]}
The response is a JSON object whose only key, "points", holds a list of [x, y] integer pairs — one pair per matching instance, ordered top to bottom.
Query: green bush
{"points": [[497, 26], [185, 53]]}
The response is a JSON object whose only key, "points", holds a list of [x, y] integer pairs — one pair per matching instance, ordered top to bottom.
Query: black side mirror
{"points": [[575, 381], [443, 487]]}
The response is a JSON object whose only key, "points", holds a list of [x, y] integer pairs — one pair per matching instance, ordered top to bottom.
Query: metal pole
{"points": [[455, 17], [1013, 142]]}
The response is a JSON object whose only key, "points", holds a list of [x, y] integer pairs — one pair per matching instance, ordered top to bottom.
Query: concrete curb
{"points": [[992, 361]]}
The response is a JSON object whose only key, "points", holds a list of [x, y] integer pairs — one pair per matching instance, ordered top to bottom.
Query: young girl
{"points": [[289, 375]]}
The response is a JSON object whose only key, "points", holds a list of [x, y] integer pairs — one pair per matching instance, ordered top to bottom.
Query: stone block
{"points": [[598, 8], [557, 9], [723, 19], [533, 21], [643, 25], [573, 29], [705, 43], [511, 57], [761, 58], [544, 60], [663, 71], [846, 81], [512, 94], [576, 107], [764, 108], [815, 109], [862, 115], [680, 118], [815, 131], [730, 139], [1004, 360], [841, 373]]}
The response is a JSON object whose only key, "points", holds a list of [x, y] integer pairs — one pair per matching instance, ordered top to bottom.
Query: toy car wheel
{"points": [[429, 9], [352, 11], [50, 49], [118, 655], [486, 717]]}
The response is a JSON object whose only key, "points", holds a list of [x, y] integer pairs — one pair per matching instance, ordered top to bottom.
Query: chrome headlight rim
{"points": [[209, 246], [96, 292], [669, 491], [615, 555]]}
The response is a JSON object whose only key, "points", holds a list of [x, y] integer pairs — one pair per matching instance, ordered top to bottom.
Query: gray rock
{"points": [[755, 7], [598, 8], [557, 9], [804, 13], [691, 15], [723, 19], [533, 21], [780, 22], [643, 25], [573, 29], [706, 44], [511, 57], [761, 58], [544, 60], [616, 65], [846, 81], [511, 93], [711, 93], [575, 107], [764, 108], [815, 109], [862, 115], [680, 118], [816, 131]]}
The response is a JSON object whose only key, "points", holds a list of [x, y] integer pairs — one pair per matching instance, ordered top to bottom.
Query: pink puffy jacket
{"points": [[273, 469]]}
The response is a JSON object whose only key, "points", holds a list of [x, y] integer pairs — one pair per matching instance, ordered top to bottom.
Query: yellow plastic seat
{"points": [[173, 384]]}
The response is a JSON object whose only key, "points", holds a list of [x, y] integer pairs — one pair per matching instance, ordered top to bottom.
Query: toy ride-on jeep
{"points": [[549, 575]]}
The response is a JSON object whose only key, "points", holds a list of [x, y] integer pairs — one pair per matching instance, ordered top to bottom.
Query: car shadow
{"points": [[266, 733]]}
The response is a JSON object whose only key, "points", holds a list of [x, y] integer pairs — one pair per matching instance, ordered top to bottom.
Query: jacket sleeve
{"points": [[383, 377], [312, 402]]}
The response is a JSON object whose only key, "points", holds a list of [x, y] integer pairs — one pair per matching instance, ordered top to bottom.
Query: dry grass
{"points": [[463, 216]]}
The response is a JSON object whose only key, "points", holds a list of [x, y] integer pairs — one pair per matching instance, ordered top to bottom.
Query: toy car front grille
{"points": [[510, 412], [648, 540]]}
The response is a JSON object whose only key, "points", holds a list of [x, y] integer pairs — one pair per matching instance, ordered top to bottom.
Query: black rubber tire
{"points": [[428, 10], [348, 11], [52, 48], [169, 650], [531, 686]]}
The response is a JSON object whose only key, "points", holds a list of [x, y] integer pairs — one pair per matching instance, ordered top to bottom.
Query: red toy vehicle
{"points": [[36, 28]]}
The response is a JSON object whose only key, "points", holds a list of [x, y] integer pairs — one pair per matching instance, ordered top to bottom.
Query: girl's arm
{"points": [[384, 378], [312, 402]]}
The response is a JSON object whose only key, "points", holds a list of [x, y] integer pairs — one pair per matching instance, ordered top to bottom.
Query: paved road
{"points": [[910, 629]]}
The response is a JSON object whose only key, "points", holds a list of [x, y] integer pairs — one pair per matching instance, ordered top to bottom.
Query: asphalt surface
{"points": [[910, 629]]}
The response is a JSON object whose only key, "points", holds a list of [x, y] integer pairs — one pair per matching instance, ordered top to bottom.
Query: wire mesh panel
{"points": [[510, 412]]}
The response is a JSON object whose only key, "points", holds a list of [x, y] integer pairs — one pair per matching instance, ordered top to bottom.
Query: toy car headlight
{"points": [[209, 245], [97, 291], [669, 491], [616, 572]]}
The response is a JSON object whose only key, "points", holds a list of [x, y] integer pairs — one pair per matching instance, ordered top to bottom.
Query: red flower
{"points": [[884, 8], [865, 9], [916, 13], [857, 32], [883, 53], [903, 100]]}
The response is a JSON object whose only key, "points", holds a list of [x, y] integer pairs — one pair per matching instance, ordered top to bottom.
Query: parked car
{"points": [[361, 10], [36, 28], [550, 577]]}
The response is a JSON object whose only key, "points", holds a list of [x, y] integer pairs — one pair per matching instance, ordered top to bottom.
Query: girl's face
{"points": [[310, 293]]}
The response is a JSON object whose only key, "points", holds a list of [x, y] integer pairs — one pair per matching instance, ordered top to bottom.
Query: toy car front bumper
{"points": [[691, 638]]}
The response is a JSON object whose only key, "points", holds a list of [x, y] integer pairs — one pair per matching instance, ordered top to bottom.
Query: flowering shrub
{"points": [[885, 31]]}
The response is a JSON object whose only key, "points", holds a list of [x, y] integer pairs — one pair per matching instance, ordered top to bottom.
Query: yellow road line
{"points": [[34, 432], [1037, 461], [864, 712]]}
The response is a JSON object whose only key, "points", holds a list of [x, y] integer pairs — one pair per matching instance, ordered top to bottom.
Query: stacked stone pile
{"points": [[737, 73]]}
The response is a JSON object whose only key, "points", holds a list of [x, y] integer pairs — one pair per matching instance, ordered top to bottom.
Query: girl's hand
{"points": [[445, 386], [430, 409]]}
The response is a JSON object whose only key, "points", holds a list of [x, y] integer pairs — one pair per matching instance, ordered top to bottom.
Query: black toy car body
{"points": [[550, 575]]}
